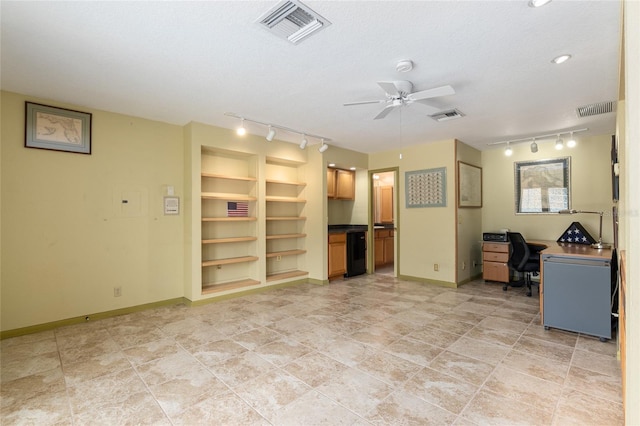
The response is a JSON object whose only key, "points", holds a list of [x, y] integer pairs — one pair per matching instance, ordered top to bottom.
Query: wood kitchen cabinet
{"points": [[341, 184], [386, 204], [383, 246], [337, 254]]}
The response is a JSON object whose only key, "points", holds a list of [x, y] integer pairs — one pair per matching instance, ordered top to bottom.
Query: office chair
{"points": [[524, 259]]}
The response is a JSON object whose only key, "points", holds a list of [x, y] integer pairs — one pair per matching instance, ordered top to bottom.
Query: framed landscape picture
{"points": [[57, 129], [469, 185], [542, 186]]}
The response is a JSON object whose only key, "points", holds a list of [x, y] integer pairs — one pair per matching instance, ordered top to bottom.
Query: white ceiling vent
{"points": [[292, 21], [595, 109], [451, 114]]}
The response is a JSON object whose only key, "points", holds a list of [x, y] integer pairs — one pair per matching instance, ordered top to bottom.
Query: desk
{"points": [[575, 289]]}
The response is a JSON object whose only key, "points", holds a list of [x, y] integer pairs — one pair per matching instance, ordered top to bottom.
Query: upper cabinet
{"points": [[341, 184]]}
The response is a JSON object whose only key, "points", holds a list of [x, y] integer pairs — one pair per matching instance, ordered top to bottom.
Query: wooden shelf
{"points": [[213, 175], [285, 182], [227, 197], [285, 199], [286, 218], [228, 219], [283, 236], [228, 240], [285, 253], [229, 260], [284, 275], [214, 288]]}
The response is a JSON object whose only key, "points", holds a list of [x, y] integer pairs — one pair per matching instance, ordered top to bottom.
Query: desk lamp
{"points": [[599, 244]]}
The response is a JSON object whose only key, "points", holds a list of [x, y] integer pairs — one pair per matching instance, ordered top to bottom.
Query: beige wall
{"points": [[590, 189], [631, 194], [469, 222], [426, 236], [67, 239]]}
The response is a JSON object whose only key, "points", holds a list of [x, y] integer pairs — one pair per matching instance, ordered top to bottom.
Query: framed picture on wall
{"points": [[57, 129], [469, 185], [542, 186]]}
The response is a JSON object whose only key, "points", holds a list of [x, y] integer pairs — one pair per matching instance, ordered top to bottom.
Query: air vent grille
{"points": [[292, 21], [596, 109], [451, 114]]}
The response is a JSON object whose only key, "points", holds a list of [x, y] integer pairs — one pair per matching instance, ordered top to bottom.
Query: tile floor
{"points": [[369, 350]]}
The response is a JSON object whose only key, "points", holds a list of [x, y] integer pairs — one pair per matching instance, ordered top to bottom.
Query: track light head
{"points": [[241, 131], [271, 134], [304, 142], [571, 142], [559, 143], [534, 146], [323, 147], [508, 151]]}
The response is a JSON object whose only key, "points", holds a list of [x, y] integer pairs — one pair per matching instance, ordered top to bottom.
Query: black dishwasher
{"points": [[356, 253]]}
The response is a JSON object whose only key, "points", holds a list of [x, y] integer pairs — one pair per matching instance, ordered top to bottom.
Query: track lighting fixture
{"points": [[538, 3], [241, 131], [271, 134], [557, 137], [304, 142], [508, 151]]}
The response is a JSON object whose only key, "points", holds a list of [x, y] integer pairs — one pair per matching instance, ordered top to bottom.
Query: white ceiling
{"points": [[193, 61]]}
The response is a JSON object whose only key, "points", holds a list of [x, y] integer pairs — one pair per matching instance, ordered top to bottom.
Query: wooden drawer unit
{"points": [[494, 258]]}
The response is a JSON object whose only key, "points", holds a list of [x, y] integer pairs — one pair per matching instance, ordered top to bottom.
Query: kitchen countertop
{"points": [[334, 229]]}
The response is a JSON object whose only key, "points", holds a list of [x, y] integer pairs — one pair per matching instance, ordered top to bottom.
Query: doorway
{"points": [[384, 217]]}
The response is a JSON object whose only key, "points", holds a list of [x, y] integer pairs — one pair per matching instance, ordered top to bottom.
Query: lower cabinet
{"points": [[383, 246], [337, 254]]}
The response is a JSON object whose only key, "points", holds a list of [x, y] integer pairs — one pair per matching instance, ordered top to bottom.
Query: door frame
{"points": [[371, 267]]}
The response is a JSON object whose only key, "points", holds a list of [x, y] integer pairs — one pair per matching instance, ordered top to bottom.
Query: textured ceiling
{"points": [[193, 61]]}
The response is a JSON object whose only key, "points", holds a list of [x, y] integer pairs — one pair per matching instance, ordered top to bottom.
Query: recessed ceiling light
{"points": [[538, 3], [560, 59], [332, 164], [352, 168]]}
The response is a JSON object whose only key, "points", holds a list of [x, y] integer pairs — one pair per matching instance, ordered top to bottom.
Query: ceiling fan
{"points": [[399, 93]]}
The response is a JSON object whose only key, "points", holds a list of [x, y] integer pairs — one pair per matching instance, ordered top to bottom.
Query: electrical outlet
{"points": [[278, 258], [464, 265], [436, 267], [117, 291]]}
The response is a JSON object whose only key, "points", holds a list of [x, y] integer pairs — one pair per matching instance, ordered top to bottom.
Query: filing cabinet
{"points": [[495, 258]]}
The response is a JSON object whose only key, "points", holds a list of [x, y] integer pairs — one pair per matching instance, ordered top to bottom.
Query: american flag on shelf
{"points": [[237, 209], [576, 234]]}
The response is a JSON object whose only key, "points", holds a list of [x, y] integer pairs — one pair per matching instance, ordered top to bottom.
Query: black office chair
{"points": [[524, 258]]}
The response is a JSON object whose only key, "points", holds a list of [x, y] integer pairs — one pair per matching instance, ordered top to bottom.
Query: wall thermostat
{"points": [[171, 205]]}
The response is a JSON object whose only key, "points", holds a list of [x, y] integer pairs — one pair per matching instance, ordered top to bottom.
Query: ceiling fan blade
{"points": [[389, 88], [431, 93], [364, 102], [429, 109], [384, 112]]}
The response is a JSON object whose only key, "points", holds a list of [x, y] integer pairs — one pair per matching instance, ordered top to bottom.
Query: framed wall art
{"points": [[57, 129], [469, 185], [542, 186], [426, 188]]}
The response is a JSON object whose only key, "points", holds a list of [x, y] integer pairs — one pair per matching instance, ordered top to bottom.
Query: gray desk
{"points": [[575, 290]]}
